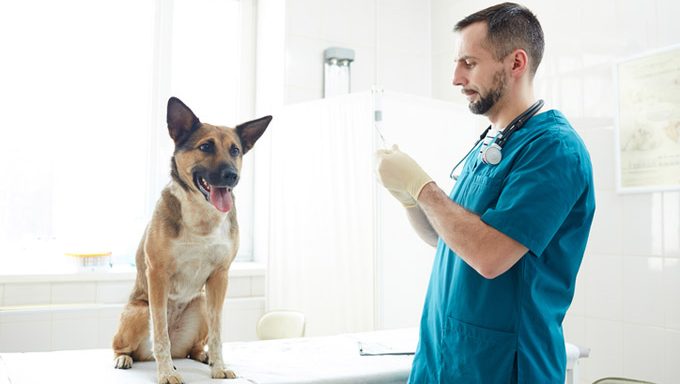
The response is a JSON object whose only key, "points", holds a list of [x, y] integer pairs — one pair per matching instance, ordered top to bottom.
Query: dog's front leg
{"points": [[158, 281], [215, 291]]}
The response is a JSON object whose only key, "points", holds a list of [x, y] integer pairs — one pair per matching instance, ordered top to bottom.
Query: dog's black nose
{"points": [[228, 176]]}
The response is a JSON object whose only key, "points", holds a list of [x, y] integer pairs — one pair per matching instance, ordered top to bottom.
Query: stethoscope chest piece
{"points": [[492, 154]]}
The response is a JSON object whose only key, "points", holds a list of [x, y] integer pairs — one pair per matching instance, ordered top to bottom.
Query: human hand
{"points": [[401, 175], [404, 198]]}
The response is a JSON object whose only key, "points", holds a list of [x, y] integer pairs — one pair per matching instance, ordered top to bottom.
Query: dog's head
{"points": [[207, 158]]}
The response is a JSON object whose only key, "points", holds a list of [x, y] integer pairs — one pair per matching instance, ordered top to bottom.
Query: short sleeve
{"points": [[545, 182]]}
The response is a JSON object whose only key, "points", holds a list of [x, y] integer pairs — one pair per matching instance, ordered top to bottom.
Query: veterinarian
{"points": [[511, 235]]}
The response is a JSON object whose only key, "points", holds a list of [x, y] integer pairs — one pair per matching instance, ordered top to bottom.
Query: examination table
{"points": [[358, 358]]}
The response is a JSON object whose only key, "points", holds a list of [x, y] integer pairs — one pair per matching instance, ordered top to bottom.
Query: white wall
{"points": [[391, 40], [627, 304], [82, 311]]}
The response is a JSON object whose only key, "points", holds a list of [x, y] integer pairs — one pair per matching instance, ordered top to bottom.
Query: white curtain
{"points": [[321, 190], [339, 247]]}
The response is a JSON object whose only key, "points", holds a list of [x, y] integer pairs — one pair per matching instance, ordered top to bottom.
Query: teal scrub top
{"points": [[509, 329]]}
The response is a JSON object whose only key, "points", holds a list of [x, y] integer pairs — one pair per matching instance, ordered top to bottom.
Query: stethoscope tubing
{"points": [[503, 136]]}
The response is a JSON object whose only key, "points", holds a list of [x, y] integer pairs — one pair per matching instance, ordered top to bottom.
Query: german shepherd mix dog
{"points": [[188, 245]]}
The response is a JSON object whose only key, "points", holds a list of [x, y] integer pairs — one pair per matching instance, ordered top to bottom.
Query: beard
{"points": [[487, 101]]}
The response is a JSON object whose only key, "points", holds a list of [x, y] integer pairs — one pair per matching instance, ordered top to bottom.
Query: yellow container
{"points": [[91, 261]]}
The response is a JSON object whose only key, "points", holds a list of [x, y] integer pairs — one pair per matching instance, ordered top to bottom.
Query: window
{"points": [[85, 149]]}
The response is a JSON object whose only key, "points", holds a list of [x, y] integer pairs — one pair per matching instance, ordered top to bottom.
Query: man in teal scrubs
{"points": [[510, 237]]}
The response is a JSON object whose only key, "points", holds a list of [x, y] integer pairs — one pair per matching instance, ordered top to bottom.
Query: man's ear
{"points": [[520, 61], [181, 121], [251, 131]]}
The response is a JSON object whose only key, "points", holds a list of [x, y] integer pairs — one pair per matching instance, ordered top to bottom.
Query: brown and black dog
{"points": [[189, 244]]}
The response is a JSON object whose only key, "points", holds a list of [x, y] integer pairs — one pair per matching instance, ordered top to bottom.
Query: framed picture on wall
{"points": [[648, 121]]}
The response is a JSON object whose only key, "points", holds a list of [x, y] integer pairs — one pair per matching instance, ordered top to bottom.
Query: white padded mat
{"points": [[331, 359]]}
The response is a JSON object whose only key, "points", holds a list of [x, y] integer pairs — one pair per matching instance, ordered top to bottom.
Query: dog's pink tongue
{"points": [[221, 198]]}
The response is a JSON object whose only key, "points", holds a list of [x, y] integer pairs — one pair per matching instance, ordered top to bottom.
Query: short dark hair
{"points": [[510, 26]]}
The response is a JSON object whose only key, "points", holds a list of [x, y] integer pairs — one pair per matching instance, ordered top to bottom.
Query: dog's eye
{"points": [[208, 147], [234, 151]]}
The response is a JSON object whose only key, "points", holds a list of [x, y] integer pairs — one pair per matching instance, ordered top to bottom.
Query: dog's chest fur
{"points": [[204, 244], [194, 262]]}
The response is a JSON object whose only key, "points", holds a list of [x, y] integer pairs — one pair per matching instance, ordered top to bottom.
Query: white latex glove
{"points": [[401, 175]]}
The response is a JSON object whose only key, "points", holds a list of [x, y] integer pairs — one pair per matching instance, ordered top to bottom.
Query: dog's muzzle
{"points": [[216, 187]]}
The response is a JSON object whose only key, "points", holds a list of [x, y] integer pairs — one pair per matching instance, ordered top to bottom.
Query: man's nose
{"points": [[458, 78]]}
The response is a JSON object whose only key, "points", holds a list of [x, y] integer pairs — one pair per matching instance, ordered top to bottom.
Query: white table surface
{"points": [[329, 359]]}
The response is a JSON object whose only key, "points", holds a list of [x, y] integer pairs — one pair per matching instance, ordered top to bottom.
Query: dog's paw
{"points": [[122, 362], [222, 373], [170, 378]]}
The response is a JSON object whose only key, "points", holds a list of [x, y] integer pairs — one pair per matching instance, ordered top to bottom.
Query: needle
{"points": [[378, 114], [379, 130]]}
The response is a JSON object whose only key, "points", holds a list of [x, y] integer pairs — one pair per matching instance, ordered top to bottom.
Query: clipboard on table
{"points": [[379, 349]]}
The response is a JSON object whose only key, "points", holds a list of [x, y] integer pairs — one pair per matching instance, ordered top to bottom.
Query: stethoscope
{"points": [[492, 153]]}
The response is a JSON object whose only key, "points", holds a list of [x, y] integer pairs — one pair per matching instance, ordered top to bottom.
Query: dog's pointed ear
{"points": [[181, 121], [251, 131]]}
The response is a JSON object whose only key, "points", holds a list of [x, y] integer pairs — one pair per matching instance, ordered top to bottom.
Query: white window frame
{"points": [[246, 108], [158, 148]]}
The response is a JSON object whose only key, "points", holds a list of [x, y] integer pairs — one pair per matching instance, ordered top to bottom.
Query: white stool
{"points": [[281, 325]]}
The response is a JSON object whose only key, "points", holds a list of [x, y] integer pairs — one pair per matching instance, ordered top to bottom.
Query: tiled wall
{"points": [[391, 40], [627, 304], [52, 314]]}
